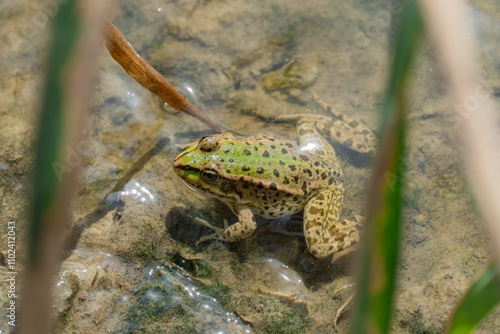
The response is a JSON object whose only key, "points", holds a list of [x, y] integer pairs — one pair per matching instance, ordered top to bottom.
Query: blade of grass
{"points": [[72, 50], [478, 133], [381, 244], [477, 302]]}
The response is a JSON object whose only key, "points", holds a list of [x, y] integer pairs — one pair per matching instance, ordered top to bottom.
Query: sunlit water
{"points": [[136, 266]]}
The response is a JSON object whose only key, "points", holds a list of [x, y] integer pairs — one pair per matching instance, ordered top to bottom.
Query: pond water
{"points": [[134, 264]]}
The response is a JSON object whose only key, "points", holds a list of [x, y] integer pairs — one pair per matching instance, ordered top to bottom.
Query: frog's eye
{"points": [[208, 144], [210, 175]]}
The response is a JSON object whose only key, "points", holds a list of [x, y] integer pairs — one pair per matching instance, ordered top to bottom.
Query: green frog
{"points": [[272, 177]]}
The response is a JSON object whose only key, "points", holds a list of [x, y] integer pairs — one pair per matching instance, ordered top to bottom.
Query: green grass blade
{"points": [[48, 147], [381, 245], [479, 300]]}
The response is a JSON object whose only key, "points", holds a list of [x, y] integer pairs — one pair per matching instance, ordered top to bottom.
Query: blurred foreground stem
{"points": [[74, 42], [381, 240], [477, 302]]}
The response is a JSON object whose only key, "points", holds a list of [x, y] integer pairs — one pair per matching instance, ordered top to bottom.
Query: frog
{"points": [[272, 178]]}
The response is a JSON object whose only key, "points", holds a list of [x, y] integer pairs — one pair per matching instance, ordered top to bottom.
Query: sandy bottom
{"points": [[133, 264]]}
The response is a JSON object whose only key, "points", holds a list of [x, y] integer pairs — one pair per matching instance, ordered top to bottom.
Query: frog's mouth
{"points": [[190, 187], [200, 191]]}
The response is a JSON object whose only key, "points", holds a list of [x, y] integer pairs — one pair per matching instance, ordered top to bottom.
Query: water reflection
{"points": [[132, 99], [132, 191], [170, 295]]}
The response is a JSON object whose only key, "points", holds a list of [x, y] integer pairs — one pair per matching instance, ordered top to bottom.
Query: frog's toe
{"points": [[292, 117], [208, 225], [214, 236]]}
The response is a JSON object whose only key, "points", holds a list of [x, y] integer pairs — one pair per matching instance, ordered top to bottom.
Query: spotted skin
{"points": [[344, 129], [272, 178]]}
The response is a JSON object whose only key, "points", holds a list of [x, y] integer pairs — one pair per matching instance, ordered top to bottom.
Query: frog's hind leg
{"points": [[339, 131], [360, 133], [310, 138], [323, 231]]}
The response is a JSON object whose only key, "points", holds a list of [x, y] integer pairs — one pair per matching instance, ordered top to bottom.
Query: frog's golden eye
{"points": [[208, 144], [210, 175]]}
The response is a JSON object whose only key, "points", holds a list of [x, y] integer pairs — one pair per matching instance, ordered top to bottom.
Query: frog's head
{"points": [[201, 168]]}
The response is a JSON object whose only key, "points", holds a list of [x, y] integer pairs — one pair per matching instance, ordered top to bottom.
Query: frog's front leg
{"points": [[245, 226], [323, 231]]}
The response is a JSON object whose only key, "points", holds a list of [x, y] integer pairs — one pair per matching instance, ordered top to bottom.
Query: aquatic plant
{"points": [[63, 110], [381, 244], [380, 251]]}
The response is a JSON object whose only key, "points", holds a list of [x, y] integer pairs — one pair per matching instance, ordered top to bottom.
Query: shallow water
{"points": [[135, 264]]}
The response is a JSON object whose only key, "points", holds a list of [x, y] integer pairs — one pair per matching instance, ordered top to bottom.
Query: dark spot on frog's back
{"points": [[273, 146], [284, 151], [246, 152], [265, 154], [304, 157], [292, 167], [245, 168], [260, 170], [276, 173], [260, 185], [273, 186]]}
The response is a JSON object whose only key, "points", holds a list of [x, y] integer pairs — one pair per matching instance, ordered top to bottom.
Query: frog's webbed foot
{"points": [[243, 228], [218, 230], [343, 308]]}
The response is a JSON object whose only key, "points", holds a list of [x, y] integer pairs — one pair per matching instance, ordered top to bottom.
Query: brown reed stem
{"points": [[146, 75]]}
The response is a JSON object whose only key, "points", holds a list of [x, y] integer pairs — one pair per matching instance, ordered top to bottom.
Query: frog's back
{"points": [[275, 177]]}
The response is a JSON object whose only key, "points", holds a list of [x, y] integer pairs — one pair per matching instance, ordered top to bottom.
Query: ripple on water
{"points": [[171, 299]]}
